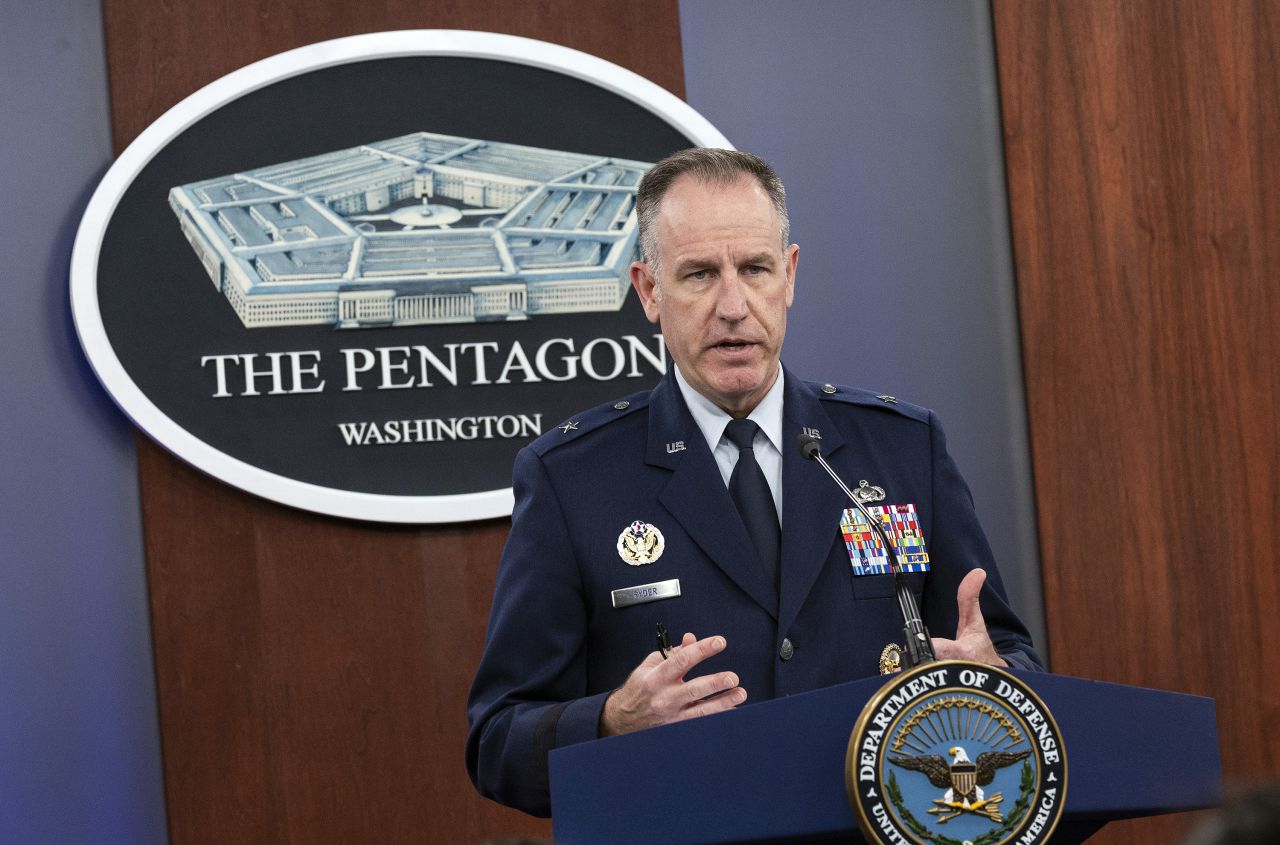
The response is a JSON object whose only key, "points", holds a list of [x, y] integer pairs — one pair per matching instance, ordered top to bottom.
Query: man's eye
{"points": [[753, 269], [700, 275]]}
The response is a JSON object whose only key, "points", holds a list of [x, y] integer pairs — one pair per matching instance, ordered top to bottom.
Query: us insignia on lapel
{"points": [[640, 543]]}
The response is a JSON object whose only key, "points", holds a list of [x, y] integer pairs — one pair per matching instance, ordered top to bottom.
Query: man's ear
{"points": [[792, 258], [646, 285]]}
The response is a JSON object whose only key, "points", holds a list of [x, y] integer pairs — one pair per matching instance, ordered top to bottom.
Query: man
{"points": [[657, 509]]}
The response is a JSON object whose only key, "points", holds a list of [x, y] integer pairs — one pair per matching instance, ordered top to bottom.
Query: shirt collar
{"points": [[711, 419]]}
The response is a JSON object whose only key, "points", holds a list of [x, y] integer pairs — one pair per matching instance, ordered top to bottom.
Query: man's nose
{"points": [[731, 300]]}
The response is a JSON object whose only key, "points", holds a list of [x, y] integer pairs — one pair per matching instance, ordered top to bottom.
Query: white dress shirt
{"points": [[712, 421]]}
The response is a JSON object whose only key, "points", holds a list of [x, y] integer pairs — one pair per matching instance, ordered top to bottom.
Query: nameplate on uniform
{"points": [[868, 555], [642, 593]]}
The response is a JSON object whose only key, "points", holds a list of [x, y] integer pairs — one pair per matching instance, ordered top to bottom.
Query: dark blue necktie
{"points": [[751, 494]]}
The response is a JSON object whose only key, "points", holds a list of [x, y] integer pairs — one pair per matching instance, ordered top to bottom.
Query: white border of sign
{"points": [[381, 45]]}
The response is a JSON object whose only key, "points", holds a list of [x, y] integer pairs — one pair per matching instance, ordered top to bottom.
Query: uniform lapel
{"points": [[696, 495], [811, 502]]}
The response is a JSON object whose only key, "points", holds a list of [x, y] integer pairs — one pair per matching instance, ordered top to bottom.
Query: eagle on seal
{"points": [[962, 778]]}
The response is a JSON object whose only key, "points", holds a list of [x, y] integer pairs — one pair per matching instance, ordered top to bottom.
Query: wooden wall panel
{"points": [[158, 53], [1143, 154], [312, 672]]}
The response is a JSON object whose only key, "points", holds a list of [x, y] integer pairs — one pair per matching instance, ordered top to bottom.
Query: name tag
{"points": [[628, 596]]}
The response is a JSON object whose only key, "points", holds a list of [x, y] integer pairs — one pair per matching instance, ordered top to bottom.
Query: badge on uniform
{"points": [[640, 543], [867, 553], [642, 593]]}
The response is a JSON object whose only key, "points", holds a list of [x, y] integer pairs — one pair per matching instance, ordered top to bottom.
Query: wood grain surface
{"points": [[1143, 155], [312, 672]]}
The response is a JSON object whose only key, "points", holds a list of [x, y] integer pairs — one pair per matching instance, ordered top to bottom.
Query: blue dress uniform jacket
{"points": [[556, 646]]}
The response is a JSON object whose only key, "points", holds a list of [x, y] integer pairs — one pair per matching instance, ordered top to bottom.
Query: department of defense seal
{"points": [[640, 543], [956, 753]]}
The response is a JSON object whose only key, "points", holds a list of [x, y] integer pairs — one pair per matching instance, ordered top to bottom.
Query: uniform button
{"points": [[828, 389], [621, 406], [787, 650]]}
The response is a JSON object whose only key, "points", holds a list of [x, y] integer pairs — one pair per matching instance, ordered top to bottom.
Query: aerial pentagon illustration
{"points": [[423, 228]]}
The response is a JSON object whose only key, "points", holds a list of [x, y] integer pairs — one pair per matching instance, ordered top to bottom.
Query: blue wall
{"points": [[882, 118], [79, 739]]}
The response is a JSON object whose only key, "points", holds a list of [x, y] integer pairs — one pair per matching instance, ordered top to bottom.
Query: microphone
{"points": [[919, 648]]}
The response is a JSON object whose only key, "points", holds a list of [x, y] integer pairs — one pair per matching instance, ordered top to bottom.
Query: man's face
{"points": [[722, 288]]}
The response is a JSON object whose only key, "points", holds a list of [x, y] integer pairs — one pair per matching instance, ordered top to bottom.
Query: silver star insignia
{"points": [[569, 426]]}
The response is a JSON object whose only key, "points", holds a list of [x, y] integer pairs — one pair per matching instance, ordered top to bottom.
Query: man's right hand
{"points": [[656, 692]]}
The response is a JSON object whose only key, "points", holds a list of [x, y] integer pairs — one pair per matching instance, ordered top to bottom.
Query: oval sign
{"points": [[357, 277]]}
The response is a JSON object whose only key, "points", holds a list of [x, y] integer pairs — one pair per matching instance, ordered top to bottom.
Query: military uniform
{"points": [[556, 644]]}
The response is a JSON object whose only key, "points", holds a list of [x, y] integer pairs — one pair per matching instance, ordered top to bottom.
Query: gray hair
{"points": [[710, 165]]}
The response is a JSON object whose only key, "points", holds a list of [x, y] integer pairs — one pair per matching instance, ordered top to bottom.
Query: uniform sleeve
{"points": [[959, 545], [530, 692]]}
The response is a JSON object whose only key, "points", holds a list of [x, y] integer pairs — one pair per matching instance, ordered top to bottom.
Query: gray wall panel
{"points": [[883, 120], [78, 732]]}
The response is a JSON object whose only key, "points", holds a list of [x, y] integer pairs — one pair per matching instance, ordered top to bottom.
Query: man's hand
{"points": [[972, 641], [656, 692]]}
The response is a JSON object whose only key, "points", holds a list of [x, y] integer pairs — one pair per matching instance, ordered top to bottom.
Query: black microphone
{"points": [[919, 648]]}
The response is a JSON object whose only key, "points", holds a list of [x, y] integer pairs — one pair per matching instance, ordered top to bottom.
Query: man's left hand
{"points": [[972, 641]]}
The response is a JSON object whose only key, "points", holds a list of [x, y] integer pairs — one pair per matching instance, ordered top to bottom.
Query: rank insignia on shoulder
{"points": [[887, 399], [569, 426], [640, 543], [868, 555]]}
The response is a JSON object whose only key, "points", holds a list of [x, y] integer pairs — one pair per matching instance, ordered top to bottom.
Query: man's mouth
{"points": [[733, 344]]}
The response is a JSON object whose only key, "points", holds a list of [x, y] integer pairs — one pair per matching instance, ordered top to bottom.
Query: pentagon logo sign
{"points": [[421, 229], [359, 276], [956, 753]]}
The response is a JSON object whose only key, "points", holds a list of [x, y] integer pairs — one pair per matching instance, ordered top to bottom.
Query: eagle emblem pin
{"points": [[640, 543]]}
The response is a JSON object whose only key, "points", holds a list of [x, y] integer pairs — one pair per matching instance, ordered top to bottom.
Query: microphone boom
{"points": [[919, 647]]}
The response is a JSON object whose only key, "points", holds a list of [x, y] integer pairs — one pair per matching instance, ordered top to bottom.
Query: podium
{"points": [[773, 772]]}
